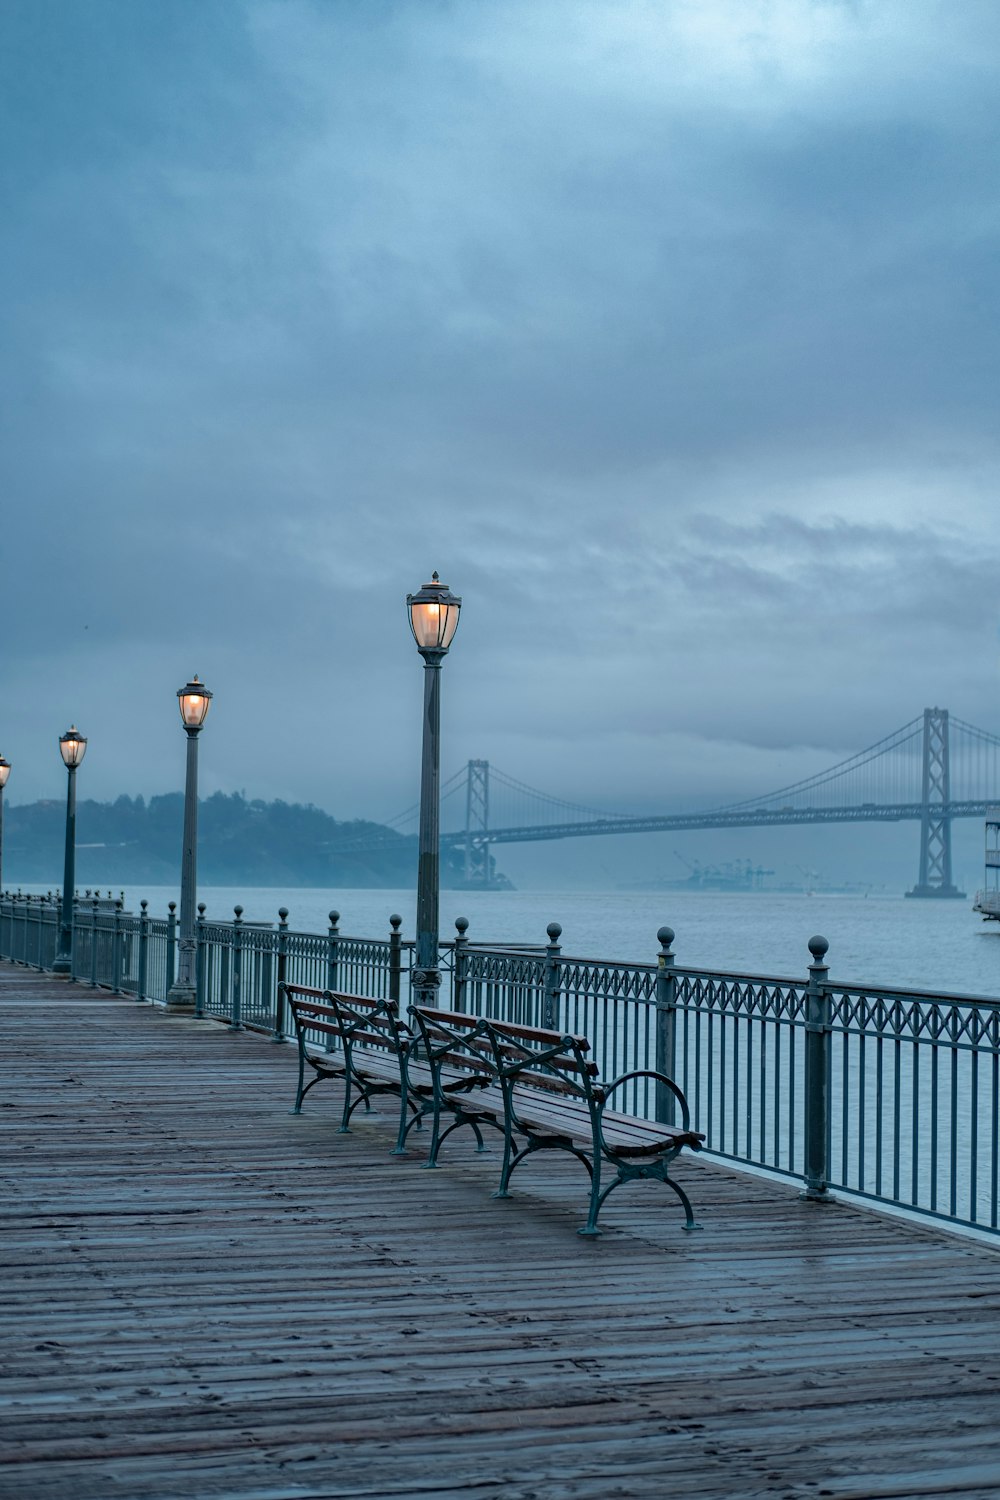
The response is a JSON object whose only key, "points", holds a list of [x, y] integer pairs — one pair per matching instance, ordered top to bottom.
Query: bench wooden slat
{"points": [[546, 1038]]}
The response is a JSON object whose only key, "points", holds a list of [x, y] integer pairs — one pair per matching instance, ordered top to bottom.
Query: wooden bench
{"points": [[364, 1043], [542, 1090]]}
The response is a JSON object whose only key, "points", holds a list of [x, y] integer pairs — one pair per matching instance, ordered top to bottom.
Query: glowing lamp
{"points": [[434, 612], [194, 699], [72, 747]]}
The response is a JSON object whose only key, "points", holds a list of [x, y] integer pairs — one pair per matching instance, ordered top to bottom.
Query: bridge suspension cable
{"points": [[909, 734], [496, 775], [448, 788]]}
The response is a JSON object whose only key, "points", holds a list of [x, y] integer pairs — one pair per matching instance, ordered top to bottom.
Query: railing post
{"points": [[95, 902], [117, 936], [53, 938], [332, 944], [171, 946], [395, 958], [199, 962], [332, 964], [458, 969], [552, 978], [140, 983], [236, 1018], [666, 1024], [278, 1034], [817, 1074]]}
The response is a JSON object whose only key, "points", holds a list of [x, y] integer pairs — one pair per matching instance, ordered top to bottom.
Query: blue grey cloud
{"points": [[666, 331]]}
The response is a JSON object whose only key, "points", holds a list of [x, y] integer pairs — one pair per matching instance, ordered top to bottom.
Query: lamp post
{"points": [[433, 612], [193, 699], [72, 748], [4, 773]]}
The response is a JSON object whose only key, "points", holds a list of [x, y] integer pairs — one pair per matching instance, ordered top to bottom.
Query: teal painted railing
{"points": [[890, 1094]]}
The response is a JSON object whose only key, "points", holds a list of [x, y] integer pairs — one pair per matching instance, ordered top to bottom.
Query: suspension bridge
{"points": [[932, 770]]}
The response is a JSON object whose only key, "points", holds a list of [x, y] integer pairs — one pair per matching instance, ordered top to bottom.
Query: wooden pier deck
{"points": [[206, 1298]]}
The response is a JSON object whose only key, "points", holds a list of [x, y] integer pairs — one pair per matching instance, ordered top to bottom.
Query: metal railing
{"points": [[239, 964], [890, 1094]]}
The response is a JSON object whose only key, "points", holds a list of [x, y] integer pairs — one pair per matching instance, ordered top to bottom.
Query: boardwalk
{"points": [[206, 1298]]}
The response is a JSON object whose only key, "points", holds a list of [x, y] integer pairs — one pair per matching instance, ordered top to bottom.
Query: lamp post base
{"points": [[62, 964], [425, 984], [180, 999]]}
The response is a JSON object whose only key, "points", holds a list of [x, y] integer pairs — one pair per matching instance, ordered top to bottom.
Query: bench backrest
{"points": [[353, 1020], [448, 1039], [555, 1063]]}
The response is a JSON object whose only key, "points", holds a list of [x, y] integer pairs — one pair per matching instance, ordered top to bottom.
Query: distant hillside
{"points": [[239, 842]]}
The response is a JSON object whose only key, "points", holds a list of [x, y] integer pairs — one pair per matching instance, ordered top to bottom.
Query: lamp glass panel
{"points": [[434, 624], [449, 624], [194, 707], [73, 750], [4, 773]]}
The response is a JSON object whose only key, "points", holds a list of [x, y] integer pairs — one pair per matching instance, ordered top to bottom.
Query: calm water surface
{"points": [[933, 945]]}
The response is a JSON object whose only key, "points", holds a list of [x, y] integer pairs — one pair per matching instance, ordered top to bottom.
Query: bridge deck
{"points": [[206, 1298]]}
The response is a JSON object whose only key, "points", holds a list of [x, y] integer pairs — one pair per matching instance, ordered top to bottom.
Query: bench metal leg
{"points": [[301, 1091], [349, 1108], [404, 1125], [509, 1161], [430, 1165], [626, 1174], [682, 1195], [590, 1229]]}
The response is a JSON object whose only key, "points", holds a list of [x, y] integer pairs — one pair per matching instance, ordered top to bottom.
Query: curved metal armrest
{"points": [[660, 1078]]}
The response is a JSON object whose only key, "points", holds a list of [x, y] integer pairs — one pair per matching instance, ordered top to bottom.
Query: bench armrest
{"points": [[660, 1078]]}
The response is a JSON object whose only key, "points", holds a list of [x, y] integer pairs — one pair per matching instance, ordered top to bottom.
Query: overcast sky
{"points": [[666, 330]]}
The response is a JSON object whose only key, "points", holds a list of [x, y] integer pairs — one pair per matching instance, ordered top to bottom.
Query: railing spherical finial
{"points": [[143, 906], [171, 906], [202, 908], [238, 911], [283, 913], [334, 917], [395, 921], [461, 925], [554, 931], [665, 936], [818, 947]]}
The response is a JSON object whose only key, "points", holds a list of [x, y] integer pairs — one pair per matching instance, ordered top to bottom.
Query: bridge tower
{"points": [[477, 823], [934, 878]]}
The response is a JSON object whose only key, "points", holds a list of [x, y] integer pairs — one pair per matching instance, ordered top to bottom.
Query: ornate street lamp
{"points": [[433, 612], [193, 699], [72, 748], [4, 773]]}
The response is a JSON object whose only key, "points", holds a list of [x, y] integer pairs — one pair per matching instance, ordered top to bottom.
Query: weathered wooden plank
{"points": [[204, 1296]]}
